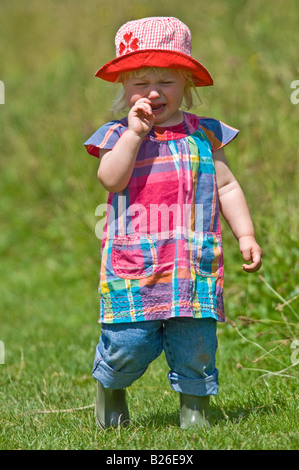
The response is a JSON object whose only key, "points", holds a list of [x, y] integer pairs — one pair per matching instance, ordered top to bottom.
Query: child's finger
{"points": [[144, 105], [144, 112], [246, 254], [255, 265]]}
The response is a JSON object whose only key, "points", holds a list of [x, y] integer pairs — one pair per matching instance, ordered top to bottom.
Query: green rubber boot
{"points": [[111, 407], [194, 411]]}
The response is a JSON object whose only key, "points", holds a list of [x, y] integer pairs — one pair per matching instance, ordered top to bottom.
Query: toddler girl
{"points": [[161, 277]]}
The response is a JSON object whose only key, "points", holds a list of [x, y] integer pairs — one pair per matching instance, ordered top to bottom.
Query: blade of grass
{"points": [[285, 302]]}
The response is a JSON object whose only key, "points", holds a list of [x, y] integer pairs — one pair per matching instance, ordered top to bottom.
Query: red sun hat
{"points": [[154, 42]]}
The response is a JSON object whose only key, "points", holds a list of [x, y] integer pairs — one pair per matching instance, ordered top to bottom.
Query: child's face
{"points": [[164, 90]]}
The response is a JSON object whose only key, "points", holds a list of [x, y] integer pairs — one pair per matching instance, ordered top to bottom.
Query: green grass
{"points": [[50, 255]]}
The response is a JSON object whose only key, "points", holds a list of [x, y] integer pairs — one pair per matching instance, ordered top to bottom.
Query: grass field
{"points": [[50, 255]]}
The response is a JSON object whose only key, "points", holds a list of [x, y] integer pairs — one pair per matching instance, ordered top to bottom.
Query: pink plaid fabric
{"points": [[155, 33], [159, 265]]}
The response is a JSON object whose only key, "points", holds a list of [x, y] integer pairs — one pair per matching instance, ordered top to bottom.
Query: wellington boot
{"points": [[111, 407], [194, 411]]}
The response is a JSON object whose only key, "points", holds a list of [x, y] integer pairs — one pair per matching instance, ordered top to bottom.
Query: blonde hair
{"points": [[120, 102]]}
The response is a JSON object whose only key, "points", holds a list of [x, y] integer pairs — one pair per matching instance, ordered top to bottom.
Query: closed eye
{"points": [[164, 82]]}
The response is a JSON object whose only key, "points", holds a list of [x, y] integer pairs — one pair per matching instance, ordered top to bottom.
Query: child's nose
{"points": [[154, 93]]}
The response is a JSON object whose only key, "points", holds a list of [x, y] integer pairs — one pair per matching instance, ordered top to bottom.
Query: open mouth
{"points": [[158, 108]]}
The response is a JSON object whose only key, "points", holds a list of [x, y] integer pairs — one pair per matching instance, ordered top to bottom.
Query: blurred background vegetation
{"points": [[49, 52]]}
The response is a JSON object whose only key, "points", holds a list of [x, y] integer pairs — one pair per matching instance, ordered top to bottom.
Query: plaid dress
{"points": [[161, 245]]}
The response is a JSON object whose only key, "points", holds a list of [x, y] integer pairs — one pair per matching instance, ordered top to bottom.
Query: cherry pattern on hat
{"points": [[130, 45]]}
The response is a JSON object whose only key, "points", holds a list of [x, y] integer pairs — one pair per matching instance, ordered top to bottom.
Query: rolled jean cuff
{"points": [[110, 378], [200, 387]]}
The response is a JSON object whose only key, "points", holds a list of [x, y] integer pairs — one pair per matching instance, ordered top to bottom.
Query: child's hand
{"points": [[141, 118], [251, 251]]}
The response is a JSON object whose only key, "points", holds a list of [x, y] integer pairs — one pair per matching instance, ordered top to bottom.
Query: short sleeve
{"points": [[218, 133], [105, 137]]}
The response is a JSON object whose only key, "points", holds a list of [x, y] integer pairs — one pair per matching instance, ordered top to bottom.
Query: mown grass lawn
{"points": [[49, 254]]}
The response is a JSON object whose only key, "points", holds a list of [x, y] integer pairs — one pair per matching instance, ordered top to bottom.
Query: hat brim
{"points": [[155, 58]]}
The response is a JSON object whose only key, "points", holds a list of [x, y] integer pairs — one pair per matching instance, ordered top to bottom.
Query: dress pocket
{"points": [[207, 254], [134, 256]]}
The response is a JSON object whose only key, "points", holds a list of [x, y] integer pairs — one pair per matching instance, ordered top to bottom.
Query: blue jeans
{"points": [[125, 350]]}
